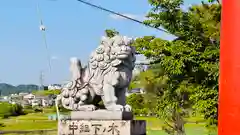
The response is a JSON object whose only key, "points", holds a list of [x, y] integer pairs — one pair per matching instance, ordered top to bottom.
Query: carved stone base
{"points": [[101, 115], [101, 127]]}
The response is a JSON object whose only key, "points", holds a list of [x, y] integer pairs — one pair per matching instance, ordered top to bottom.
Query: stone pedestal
{"points": [[101, 115], [101, 123]]}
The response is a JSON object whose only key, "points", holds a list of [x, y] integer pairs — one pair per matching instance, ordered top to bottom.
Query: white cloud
{"points": [[133, 16], [54, 58]]}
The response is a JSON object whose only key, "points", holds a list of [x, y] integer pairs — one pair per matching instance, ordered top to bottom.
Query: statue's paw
{"points": [[83, 97], [86, 107], [115, 108], [127, 108]]}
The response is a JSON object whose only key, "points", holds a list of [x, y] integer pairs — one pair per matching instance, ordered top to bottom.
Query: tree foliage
{"points": [[111, 32], [191, 61], [46, 93], [165, 99], [139, 105], [10, 110]]}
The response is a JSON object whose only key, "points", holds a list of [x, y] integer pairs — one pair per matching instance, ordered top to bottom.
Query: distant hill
{"points": [[7, 89]]}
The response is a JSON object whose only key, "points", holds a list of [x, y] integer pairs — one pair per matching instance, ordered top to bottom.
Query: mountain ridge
{"points": [[7, 89]]}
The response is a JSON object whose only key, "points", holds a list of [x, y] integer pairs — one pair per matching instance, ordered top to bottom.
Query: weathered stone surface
{"points": [[106, 77], [101, 115], [101, 127]]}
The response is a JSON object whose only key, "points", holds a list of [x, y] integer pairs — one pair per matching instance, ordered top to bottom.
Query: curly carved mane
{"points": [[110, 55]]}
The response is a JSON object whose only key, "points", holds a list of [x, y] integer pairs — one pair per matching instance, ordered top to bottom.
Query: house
{"points": [[54, 87], [13, 94], [22, 94], [15, 97], [29, 97], [4, 99], [31, 100], [42, 101], [35, 102], [25, 103]]}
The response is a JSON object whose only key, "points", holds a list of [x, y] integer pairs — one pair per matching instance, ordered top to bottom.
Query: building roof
{"points": [[23, 94], [29, 96], [41, 97]]}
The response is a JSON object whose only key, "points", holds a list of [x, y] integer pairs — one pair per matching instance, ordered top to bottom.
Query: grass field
{"points": [[39, 121]]}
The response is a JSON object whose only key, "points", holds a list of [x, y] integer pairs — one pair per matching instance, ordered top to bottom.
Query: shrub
{"points": [[138, 104], [10, 110], [17, 110]]}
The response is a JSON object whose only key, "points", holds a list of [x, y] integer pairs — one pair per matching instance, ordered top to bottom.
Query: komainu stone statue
{"points": [[106, 77]]}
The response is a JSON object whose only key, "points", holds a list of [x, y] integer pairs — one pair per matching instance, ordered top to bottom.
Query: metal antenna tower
{"points": [[41, 79]]}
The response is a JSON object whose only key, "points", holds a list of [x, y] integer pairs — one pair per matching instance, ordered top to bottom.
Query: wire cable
{"points": [[119, 14], [43, 30]]}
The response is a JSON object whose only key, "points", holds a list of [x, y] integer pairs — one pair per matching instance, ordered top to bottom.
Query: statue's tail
{"points": [[75, 68], [75, 93]]}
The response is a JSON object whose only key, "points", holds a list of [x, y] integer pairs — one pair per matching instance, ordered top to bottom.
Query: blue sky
{"points": [[73, 30]]}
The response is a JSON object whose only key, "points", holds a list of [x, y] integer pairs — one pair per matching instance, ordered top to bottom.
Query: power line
{"points": [[116, 13], [43, 30]]}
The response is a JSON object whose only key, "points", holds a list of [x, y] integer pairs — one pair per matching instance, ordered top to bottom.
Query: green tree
{"points": [[111, 32], [191, 61], [152, 82], [133, 85], [46, 93], [167, 101], [137, 103], [5, 110], [10, 110], [16, 110]]}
